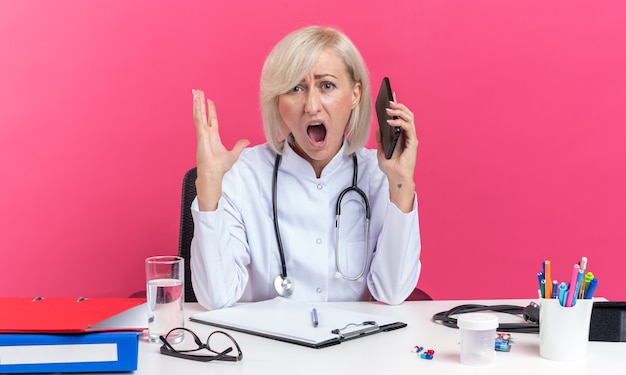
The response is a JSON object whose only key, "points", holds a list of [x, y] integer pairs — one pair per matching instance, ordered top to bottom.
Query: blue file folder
{"points": [[114, 351]]}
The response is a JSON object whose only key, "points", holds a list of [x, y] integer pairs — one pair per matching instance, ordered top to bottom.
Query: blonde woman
{"points": [[265, 216]]}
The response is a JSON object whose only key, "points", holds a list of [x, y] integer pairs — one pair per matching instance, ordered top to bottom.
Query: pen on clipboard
{"points": [[314, 318]]}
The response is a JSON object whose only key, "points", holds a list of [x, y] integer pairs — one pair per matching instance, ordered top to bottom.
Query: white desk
{"points": [[384, 353]]}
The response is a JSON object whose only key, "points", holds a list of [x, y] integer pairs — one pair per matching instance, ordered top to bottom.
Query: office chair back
{"points": [[186, 230], [419, 295]]}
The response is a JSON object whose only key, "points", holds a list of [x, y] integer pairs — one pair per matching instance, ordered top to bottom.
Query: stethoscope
{"points": [[282, 283]]}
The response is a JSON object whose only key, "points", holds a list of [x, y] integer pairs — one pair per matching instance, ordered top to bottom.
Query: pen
{"points": [[583, 264], [583, 267], [588, 278], [579, 281], [593, 284], [572, 286], [554, 288], [316, 322]]}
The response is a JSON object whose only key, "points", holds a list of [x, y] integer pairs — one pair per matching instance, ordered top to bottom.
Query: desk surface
{"points": [[384, 353]]}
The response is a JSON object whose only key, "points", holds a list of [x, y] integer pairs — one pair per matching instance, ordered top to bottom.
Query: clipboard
{"points": [[71, 315], [290, 321]]}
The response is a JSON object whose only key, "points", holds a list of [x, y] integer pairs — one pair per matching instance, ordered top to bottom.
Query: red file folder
{"points": [[62, 315]]}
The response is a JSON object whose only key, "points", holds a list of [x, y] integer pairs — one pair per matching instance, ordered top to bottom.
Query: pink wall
{"points": [[520, 108]]}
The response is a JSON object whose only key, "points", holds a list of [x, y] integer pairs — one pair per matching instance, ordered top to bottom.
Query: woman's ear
{"points": [[356, 94]]}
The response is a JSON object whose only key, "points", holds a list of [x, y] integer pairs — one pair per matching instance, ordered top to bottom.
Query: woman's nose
{"points": [[312, 104]]}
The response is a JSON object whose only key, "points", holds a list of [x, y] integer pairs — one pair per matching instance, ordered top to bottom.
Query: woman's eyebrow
{"points": [[321, 76]]}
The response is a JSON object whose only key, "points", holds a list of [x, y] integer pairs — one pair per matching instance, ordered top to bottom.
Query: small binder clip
{"points": [[38, 298], [81, 299], [356, 329]]}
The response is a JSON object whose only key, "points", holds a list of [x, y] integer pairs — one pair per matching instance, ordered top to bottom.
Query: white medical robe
{"points": [[235, 257]]}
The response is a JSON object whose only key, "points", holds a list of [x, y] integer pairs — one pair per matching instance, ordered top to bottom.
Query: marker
{"points": [[539, 278], [579, 283], [593, 284], [572, 286], [554, 288], [543, 289], [548, 293], [562, 293], [316, 322]]}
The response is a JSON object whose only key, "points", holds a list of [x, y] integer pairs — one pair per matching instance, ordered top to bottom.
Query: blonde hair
{"points": [[294, 57]]}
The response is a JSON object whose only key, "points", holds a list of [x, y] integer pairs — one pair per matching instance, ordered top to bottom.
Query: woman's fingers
{"points": [[199, 109]]}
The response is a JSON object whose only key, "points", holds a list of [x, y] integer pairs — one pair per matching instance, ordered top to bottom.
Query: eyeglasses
{"points": [[221, 355]]}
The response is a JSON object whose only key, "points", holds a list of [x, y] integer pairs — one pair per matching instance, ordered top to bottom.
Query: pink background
{"points": [[520, 110]]}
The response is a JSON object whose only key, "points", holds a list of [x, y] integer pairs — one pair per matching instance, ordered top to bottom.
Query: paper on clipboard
{"points": [[290, 321]]}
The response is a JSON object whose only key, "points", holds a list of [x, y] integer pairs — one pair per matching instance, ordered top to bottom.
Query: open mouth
{"points": [[316, 132]]}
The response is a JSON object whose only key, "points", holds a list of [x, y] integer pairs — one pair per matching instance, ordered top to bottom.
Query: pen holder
{"points": [[564, 331]]}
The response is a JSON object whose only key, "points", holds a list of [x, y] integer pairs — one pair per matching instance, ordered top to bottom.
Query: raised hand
{"points": [[212, 158]]}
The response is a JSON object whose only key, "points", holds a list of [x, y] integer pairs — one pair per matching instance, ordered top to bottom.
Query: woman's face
{"points": [[317, 110]]}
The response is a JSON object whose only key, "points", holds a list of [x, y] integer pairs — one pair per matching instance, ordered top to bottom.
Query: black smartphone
{"points": [[389, 134]]}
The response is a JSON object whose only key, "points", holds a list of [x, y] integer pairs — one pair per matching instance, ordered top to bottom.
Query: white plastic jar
{"points": [[478, 338]]}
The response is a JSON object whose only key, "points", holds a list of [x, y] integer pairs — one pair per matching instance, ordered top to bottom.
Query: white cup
{"points": [[164, 292], [564, 331], [478, 338]]}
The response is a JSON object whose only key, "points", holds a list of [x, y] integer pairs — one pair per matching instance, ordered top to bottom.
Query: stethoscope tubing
{"points": [[356, 189], [279, 241], [283, 285]]}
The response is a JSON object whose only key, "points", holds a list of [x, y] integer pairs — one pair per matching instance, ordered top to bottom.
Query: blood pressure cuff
{"points": [[608, 322]]}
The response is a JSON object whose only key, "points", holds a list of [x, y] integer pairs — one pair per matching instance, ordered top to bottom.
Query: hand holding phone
{"points": [[389, 134]]}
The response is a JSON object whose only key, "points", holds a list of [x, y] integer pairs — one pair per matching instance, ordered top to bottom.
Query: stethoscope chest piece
{"points": [[283, 286]]}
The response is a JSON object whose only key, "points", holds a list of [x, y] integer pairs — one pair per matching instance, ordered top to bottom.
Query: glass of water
{"points": [[164, 291]]}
